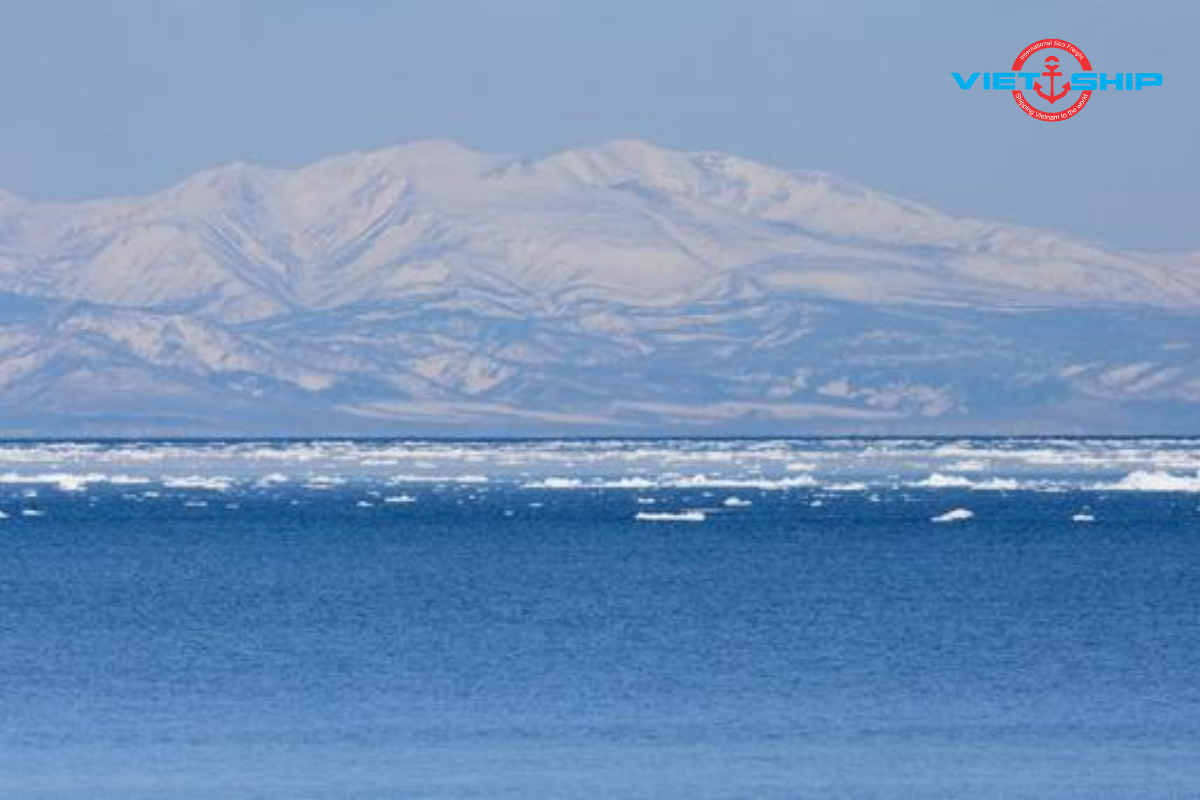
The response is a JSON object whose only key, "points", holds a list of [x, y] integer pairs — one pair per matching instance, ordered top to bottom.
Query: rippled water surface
{"points": [[600, 619]]}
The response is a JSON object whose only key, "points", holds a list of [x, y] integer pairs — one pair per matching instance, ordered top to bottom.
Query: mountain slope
{"points": [[622, 288]]}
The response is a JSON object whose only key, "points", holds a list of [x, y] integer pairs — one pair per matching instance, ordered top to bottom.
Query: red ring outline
{"points": [[1060, 44]]}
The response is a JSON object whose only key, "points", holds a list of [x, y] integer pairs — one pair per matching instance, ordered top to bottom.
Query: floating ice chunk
{"points": [[801, 466], [271, 479], [128, 480], [64, 481], [939, 481], [1144, 481], [321, 482], [705, 482], [212, 483], [554, 483], [626, 483], [997, 485], [849, 486], [399, 498], [646, 501], [736, 502], [196, 504], [364, 504], [816, 504], [32, 512], [3, 515], [954, 515], [670, 516], [1083, 516]]}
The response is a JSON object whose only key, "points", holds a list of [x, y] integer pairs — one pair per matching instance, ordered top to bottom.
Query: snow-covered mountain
{"points": [[617, 289]]}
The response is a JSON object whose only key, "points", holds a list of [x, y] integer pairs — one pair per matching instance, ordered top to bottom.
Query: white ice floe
{"points": [[718, 466], [128, 480], [939, 480], [64, 481], [700, 481], [1146, 481], [322, 482], [72, 483], [212, 483], [555, 483], [626, 483], [766, 484], [846, 486], [395, 499], [646, 501], [736, 502], [196, 504], [364, 504], [32, 512], [3, 515], [954, 515], [670, 516], [1083, 517]]}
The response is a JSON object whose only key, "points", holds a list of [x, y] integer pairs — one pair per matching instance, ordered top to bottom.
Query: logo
{"points": [[1041, 100]]}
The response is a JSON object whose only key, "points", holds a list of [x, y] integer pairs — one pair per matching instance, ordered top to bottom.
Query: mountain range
{"points": [[622, 289]]}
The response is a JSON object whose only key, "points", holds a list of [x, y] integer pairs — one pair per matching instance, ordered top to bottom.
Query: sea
{"points": [[635, 618]]}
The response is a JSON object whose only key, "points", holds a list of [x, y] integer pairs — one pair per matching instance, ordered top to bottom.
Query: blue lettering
{"points": [[1029, 77], [1148, 79], [1004, 80], [1083, 80], [1103, 81], [967, 83]]}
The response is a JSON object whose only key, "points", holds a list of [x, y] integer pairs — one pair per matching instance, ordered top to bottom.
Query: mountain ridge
{"points": [[621, 287]]}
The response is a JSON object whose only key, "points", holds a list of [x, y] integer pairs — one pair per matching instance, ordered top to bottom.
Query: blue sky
{"points": [[124, 97]]}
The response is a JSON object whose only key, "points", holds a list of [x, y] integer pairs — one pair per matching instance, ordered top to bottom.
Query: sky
{"points": [[128, 96]]}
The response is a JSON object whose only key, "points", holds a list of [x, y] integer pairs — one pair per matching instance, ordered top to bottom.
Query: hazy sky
{"points": [[123, 97]]}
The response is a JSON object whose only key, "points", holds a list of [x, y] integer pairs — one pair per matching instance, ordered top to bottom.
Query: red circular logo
{"points": [[1054, 93]]}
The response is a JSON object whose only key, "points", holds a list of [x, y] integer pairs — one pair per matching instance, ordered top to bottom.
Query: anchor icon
{"points": [[1052, 73]]}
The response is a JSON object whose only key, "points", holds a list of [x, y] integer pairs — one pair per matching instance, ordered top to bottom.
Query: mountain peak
{"points": [[624, 220], [629, 281]]}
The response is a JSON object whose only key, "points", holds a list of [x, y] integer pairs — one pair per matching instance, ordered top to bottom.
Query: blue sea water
{"points": [[494, 620]]}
